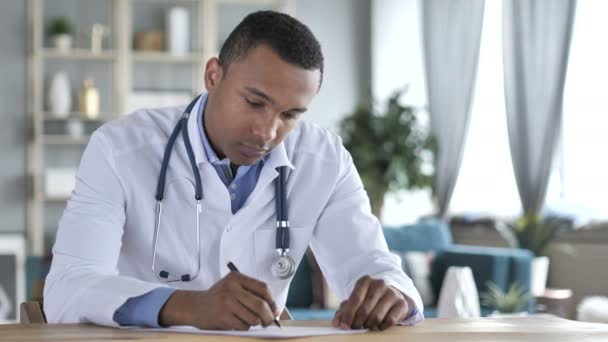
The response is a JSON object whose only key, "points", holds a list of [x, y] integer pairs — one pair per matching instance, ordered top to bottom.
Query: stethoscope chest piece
{"points": [[283, 267]]}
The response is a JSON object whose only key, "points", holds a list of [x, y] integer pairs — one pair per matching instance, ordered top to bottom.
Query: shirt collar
{"points": [[277, 157]]}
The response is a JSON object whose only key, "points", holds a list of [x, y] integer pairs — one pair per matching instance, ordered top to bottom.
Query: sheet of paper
{"points": [[273, 332]]}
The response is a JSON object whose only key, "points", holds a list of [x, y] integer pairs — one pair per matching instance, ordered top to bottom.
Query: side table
{"points": [[555, 301]]}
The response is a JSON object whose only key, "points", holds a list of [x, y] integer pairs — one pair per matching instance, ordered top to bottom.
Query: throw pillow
{"points": [[417, 265]]}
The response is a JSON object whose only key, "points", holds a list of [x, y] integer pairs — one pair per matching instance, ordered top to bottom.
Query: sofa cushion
{"points": [[426, 235], [502, 266]]}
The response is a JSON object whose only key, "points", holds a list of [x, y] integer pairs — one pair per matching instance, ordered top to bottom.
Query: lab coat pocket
{"points": [[265, 253]]}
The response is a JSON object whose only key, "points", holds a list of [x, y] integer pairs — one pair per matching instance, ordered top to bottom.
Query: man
{"points": [[240, 132]]}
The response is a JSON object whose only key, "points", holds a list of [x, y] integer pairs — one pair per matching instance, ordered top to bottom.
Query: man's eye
{"points": [[254, 104], [289, 116]]}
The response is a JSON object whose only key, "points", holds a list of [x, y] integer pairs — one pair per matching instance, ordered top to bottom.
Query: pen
{"points": [[234, 269]]}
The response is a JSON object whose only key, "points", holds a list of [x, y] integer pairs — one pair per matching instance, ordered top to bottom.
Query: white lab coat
{"points": [[103, 252]]}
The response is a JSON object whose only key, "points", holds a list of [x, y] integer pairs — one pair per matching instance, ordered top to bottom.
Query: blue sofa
{"points": [[503, 266]]}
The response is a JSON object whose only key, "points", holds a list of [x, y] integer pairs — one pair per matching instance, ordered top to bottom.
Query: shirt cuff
{"points": [[143, 310], [415, 317]]}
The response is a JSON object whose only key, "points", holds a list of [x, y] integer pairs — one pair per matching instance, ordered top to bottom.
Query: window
{"points": [[486, 182], [579, 184]]}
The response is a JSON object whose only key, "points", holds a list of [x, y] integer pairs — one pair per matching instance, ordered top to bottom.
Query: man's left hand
{"points": [[372, 305]]}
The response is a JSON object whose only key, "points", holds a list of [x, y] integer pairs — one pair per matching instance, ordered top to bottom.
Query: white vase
{"points": [[178, 33], [62, 42], [60, 96], [540, 271]]}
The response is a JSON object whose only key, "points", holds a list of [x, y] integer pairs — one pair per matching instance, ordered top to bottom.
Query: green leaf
{"points": [[388, 148], [514, 300]]}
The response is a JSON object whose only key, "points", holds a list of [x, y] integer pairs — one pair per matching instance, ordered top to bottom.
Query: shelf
{"points": [[172, 2], [251, 2], [79, 54], [165, 57], [102, 117], [57, 139], [56, 199]]}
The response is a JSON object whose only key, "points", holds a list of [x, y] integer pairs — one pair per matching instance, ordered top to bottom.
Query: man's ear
{"points": [[213, 74]]}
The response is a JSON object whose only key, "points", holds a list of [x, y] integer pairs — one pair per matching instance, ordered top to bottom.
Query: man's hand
{"points": [[236, 302], [372, 305]]}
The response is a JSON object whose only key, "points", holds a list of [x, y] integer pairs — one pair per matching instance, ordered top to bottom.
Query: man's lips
{"points": [[252, 151]]}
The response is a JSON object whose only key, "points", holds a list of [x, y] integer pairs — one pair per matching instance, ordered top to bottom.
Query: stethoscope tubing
{"points": [[282, 229]]}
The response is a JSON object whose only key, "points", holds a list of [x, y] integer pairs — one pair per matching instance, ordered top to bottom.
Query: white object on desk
{"points": [[458, 297], [259, 332]]}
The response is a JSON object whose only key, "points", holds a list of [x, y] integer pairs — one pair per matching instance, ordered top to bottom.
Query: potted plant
{"points": [[61, 31], [389, 148], [534, 233], [512, 302]]}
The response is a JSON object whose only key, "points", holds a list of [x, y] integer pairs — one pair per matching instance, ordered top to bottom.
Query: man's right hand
{"points": [[236, 302]]}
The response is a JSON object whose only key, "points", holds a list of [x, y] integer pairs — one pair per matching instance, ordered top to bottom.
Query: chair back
{"points": [[31, 313]]}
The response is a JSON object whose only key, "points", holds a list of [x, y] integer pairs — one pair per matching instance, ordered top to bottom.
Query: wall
{"points": [[13, 30], [344, 33], [397, 62]]}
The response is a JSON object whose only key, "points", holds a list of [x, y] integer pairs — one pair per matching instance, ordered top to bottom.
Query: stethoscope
{"points": [[282, 267]]}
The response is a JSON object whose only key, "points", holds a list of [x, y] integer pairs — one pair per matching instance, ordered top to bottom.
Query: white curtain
{"points": [[452, 33], [536, 41]]}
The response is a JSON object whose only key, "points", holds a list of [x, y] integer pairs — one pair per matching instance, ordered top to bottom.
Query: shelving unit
{"points": [[206, 22], [79, 54]]}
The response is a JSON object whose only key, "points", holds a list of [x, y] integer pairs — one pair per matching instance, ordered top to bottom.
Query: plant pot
{"points": [[62, 42], [540, 271], [498, 314]]}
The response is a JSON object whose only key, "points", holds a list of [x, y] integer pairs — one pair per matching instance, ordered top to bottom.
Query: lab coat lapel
{"points": [[193, 133], [264, 191], [215, 194], [257, 213]]}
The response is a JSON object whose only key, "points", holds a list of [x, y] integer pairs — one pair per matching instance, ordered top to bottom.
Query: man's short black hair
{"points": [[289, 38]]}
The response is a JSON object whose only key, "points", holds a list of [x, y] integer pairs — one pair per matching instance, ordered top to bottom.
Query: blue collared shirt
{"points": [[239, 186], [144, 310]]}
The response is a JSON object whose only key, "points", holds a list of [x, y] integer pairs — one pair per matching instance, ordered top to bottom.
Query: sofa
{"points": [[503, 266]]}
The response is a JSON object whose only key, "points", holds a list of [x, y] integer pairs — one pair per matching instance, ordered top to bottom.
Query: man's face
{"points": [[252, 106]]}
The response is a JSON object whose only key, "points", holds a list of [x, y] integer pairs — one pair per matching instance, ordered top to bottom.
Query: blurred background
{"points": [[477, 126]]}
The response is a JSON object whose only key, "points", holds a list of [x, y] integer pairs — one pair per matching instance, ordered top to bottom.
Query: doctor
{"points": [[164, 200]]}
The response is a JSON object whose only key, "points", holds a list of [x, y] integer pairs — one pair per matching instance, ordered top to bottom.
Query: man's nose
{"points": [[265, 128]]}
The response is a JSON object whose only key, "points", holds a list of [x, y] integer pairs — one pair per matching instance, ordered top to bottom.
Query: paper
{"points": [[273, 332]]}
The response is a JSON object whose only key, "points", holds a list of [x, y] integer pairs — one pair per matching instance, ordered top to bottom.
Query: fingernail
{"points": [[344, 326]]}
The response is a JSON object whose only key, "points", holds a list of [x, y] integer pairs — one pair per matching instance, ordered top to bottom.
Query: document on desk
{"points": [[271, 332]]}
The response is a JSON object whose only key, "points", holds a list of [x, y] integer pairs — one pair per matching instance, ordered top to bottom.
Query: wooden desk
{"points": [[534, 328]]}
